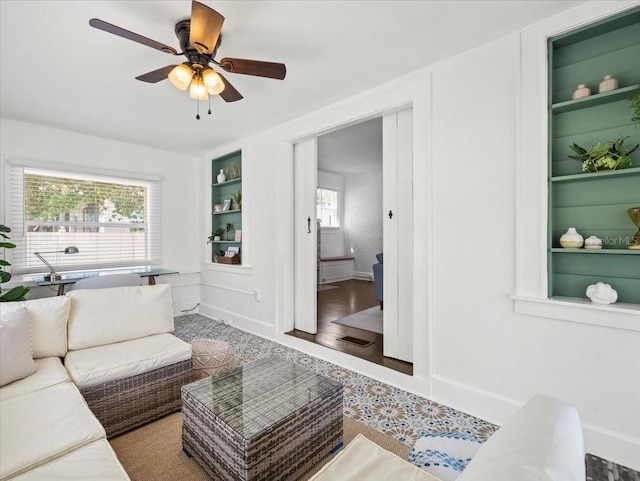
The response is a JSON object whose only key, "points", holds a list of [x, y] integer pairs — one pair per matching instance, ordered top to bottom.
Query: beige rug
{"points": [[367, 320], [154, 451]]}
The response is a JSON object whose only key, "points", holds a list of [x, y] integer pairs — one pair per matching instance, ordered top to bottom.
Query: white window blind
{"points": [[327, 207], [113, 221]]}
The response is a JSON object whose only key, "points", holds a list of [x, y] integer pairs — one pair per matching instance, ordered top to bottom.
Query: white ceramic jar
{"points": [[607, 84], [581, 91], [221, 177], [571, 239], [593, 242]]}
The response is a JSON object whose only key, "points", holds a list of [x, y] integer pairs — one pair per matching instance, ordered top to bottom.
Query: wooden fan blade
{"points": [[206, 25], [121, 32], [254, 67], [157, 75], [229, 94]]}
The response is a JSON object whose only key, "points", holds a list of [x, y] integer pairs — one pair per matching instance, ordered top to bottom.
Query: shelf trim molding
{"points": [[595, 99], [595, 175], [565, 250], [617, 316]]}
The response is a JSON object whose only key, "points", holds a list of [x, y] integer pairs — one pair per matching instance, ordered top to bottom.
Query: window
{"points": [[327, 207], [113, 221]]}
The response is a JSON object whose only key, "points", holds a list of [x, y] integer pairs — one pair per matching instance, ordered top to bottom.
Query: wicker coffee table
{"points": [[266, 420]]}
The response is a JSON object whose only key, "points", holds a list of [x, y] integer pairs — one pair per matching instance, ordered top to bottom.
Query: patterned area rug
{"points": [[397, 413]]}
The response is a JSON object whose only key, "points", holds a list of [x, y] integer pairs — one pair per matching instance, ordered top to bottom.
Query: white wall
{"points": [[363, 220], [181, 234], [482, 357]]}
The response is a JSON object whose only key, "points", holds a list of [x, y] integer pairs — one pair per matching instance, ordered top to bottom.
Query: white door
{"points": [[397, 202], [305, 235]]}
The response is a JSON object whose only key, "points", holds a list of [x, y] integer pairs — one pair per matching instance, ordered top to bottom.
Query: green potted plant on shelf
{"points": [[635, 105], [604, 156], [237, 199], [216, 236], [17, 293]]}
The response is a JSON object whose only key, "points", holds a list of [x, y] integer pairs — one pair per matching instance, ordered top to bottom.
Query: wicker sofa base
{"points": [[127, 403]]}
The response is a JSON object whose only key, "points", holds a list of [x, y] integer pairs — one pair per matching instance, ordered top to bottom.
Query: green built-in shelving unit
{"points": [[231, 164], [593, 203]]}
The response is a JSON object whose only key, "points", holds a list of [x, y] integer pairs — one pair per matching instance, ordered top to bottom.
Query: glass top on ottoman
{"points": [[256, 396]]}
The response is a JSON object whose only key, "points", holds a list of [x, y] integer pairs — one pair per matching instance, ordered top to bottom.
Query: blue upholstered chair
{"points": [[378, 278]]}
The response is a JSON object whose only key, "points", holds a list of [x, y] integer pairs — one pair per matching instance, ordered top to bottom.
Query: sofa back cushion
{"points": [[104, 316], [48, 324], [16, 361], [541, 442]]}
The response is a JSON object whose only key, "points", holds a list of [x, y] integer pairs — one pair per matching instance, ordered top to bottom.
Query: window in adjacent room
{"points": [[328, 207], [113, 221]]}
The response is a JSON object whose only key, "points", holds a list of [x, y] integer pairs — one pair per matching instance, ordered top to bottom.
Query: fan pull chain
{"points": [[209, 98], [198, 113]]}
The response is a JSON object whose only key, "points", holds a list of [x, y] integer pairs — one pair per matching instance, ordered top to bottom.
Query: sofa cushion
{"points": [[104, 316], [48, 324], [16, 359], [96, 365], [50, 372], [42, 426], [541, 442], [363, 459], [97, 461]]}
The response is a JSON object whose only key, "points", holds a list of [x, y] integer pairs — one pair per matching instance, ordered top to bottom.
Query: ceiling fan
{"points": [[199, 39]]}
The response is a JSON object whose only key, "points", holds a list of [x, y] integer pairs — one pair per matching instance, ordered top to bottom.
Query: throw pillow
{"points": [[16, 356], [444, 454]]}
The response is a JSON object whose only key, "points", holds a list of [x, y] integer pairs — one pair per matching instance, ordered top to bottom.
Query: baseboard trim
{"points": [[244, 323], [611, 445]]}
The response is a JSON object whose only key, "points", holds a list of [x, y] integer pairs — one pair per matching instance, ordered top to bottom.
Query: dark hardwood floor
{"points": [[350, 297]]}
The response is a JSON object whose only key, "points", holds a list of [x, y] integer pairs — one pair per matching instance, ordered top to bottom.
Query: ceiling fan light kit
{"points": [[199, 39], [181, 75], [198, 91]]}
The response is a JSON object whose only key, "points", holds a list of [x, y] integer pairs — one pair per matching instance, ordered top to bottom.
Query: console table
{"points": [[71, 277]]}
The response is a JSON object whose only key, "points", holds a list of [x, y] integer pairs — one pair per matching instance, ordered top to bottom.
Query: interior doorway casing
{"points": [[412, 92]]}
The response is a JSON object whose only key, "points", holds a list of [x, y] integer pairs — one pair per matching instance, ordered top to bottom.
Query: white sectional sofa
{"points": [[106, 362]]}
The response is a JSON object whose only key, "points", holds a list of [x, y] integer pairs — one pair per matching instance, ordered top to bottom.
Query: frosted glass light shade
{"points": [[181, 76], [212, 81], [198, 90]]}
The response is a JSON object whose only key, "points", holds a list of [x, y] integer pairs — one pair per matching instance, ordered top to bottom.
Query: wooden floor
{"points": [[351, 296]]}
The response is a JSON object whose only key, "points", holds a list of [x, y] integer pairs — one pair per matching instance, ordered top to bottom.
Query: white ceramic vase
{"points": [[607, 84], [221, 177], [571, 239]]}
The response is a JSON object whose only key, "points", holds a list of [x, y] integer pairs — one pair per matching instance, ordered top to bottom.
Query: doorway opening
{"points": [[348, 177]]}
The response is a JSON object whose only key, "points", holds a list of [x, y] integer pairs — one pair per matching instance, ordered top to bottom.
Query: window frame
{"points": [[339, 201], [14, 204]]}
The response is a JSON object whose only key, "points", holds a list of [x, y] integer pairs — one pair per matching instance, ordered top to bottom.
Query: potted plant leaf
{"points": [[635, 105], [604, 155], [237, 199], [216, 236], [17, 293]]}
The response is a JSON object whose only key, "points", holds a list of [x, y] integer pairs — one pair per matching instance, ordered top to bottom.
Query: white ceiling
{"points": [[57, 71], [352, 150]]}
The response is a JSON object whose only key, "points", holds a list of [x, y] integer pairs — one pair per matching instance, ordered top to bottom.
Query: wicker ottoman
{"points": [[211, 357]]}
